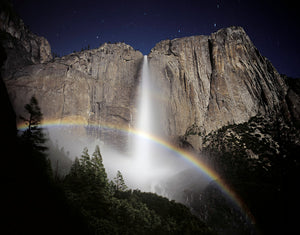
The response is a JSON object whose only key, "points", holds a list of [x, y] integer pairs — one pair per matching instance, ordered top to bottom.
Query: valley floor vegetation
{"points": [[84, 201]]}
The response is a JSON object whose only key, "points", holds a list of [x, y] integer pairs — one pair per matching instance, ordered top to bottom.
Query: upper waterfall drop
{"points": [[149, 117], [144, 121], [142, 148], [151, 162]]}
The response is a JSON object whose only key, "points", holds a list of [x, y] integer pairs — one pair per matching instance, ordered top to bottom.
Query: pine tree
{"points": [[34, 133], [33, 139], [85, 160], [97, 162], [75, 170], [90, 170], [119, 182], [87, 183]]}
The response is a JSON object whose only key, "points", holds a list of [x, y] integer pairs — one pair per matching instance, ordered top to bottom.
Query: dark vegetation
{"points": [[60, 159], [260, 160], [37, 200], [84, 201], [32, 202], [112, 209]]}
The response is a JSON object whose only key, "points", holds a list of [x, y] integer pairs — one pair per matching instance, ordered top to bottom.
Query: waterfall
{"points": [[145, 111], [144, 124], [151, 163]]}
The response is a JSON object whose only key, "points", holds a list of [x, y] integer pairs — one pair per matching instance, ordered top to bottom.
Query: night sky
{"points": [[273, 26]]}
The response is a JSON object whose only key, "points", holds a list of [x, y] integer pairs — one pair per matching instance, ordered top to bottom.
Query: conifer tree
{"points": [[34, 133], [85, 160], [97, 162], [75, 167], [119, 182]]}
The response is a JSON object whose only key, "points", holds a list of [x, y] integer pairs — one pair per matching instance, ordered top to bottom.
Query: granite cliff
{"points": [[22, 46], [207, 81], [213, 81], [94, 88], [217, 94]]}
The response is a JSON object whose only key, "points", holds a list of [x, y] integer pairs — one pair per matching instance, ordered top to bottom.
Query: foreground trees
{"points": [[84, 201], [33, 202], [110, 208]]}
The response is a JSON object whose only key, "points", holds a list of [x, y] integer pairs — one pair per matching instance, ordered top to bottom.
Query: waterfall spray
{"points": [[142, 147]]}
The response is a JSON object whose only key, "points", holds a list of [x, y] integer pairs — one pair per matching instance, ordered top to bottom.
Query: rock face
{"points": [[21, 45], [206, 81], [212, 81], [95, 87]]}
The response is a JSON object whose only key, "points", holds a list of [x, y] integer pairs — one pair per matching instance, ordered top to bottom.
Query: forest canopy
{"points": [[84, 201]]}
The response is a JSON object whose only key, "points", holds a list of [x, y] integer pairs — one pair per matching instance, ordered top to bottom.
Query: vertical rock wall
{"points": [[212, 81], [201, 82]]}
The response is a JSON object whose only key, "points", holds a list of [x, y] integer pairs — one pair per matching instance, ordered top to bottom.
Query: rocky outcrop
{"points": [[21, 45], [212, 81], [205, 82], [95, 87], [291, 108]]}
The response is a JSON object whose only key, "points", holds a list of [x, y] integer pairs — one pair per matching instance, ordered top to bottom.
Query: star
{"points": [[215, 25], [179, 30]]}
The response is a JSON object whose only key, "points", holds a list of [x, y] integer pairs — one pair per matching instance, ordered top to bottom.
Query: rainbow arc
{"points": [[187, 156]]}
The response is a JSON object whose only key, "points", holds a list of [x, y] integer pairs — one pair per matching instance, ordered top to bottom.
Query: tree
{"points": [[34, 133], [33, 139], [85, 160], [97, 162], [89, 171], [119, 182], [87, 183], [109, 208]]}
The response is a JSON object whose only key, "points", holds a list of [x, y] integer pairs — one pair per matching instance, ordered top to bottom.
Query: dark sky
{"points": [[273, 26]]}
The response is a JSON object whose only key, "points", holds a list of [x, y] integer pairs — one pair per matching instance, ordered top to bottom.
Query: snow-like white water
{"points": [[142, 149], [147, 165]]}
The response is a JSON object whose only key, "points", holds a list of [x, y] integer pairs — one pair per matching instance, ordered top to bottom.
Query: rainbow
{"points": [[189, 157]]}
